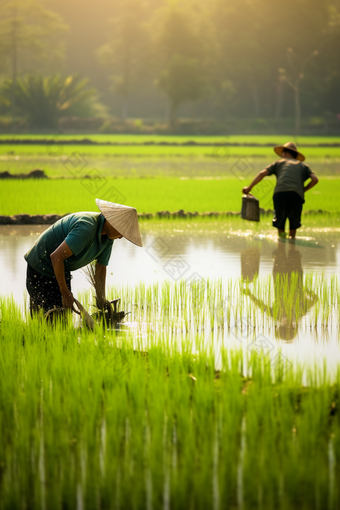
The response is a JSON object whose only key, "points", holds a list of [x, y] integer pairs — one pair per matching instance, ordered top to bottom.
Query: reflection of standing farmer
{"points": [[288, 198], [71, 243], [250, 264], [292, 298]]}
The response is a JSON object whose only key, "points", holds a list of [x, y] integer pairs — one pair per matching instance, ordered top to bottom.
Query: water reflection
{"points": [[212, 252], [215, 252], [250, 263], [292, 296]]}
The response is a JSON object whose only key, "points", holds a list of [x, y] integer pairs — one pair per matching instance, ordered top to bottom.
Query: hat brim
{"points": [[280, 148], [134, 238], [136, 242]]}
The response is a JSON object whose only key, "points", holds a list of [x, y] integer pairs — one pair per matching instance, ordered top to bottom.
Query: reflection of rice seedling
{"points": [[293, 298], [288, 302]]}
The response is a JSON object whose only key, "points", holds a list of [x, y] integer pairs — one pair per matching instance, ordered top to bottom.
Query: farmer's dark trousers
{"points": [[287, 205], [44, 290]]}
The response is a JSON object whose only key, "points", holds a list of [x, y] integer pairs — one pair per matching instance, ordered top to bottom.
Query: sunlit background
{"points": [[257, 65], [216, 382]]}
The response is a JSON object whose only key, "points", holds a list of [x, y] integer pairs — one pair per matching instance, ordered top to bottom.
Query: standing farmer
{"points": [[288, 198], [71, 243]]}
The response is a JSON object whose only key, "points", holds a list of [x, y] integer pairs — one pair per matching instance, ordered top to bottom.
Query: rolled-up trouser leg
{"points": [[44, 290]]}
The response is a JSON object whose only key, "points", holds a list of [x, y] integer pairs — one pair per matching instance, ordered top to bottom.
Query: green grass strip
{"points": [[166, 151], [147, 195]]}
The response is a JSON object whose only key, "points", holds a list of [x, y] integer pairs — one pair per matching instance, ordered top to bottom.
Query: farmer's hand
{"points": [[246, 190], [67, 300], [102, 303]]}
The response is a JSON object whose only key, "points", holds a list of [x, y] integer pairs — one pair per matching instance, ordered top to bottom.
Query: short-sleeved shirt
{"points": [[290, 175], [82, 233]]}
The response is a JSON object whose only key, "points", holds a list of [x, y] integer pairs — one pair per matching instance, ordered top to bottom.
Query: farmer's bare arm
{"points": [[258, 178], [312, 183], [62, 253], [100, 279]]}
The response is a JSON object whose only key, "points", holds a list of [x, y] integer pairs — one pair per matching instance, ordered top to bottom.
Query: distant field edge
{"points": [[187, 143], [49, 219]]}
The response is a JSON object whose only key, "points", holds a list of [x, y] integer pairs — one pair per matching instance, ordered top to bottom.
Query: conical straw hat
{"points": [[123, 218]]}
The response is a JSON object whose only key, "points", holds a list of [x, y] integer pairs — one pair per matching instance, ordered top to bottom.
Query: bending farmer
{"points": [[288, 198], [71, 243]]}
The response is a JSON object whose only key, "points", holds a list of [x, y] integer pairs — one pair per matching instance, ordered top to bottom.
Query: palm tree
{"points": [[28, 29], [43, 100]]}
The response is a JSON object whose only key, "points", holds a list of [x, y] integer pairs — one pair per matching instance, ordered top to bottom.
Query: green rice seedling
{"points": [[139, 149], [298, 300], [140, 417], [86, 419]]}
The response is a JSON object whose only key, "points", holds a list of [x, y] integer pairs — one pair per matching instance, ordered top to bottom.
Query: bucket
{"points": [[250, 208]]}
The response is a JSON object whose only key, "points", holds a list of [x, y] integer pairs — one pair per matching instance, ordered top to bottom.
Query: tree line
{"points": [[240, 58]]}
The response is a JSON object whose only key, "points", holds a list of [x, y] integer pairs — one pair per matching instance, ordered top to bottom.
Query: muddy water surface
{"points": [[177, 252], [183, 253]]}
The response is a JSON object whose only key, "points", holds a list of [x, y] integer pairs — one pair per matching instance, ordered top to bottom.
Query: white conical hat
{"points": [[123, 218]]}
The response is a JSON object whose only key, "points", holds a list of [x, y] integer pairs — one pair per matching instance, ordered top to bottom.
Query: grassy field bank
{"points": [[161, 150], [155, 167], [149, 195], [87, 421]]}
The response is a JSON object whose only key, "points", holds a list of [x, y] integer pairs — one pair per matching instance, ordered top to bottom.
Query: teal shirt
{"points": [[82, 233]]}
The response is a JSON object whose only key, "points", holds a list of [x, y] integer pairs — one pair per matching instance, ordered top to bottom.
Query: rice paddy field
{"points": [[158, 150], [154, 173], [148, 195], [214, 392], [152, 418]]}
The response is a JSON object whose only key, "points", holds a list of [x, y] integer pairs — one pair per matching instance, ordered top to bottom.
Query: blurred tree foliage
{"points": [[31, 36], [254, 37], [125, 53], [185, 54], [233, 56], [229, 58], [183, 80], [44, 100]]}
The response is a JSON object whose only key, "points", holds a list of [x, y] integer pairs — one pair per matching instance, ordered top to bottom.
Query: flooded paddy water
{"points": [[256, 292]]}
